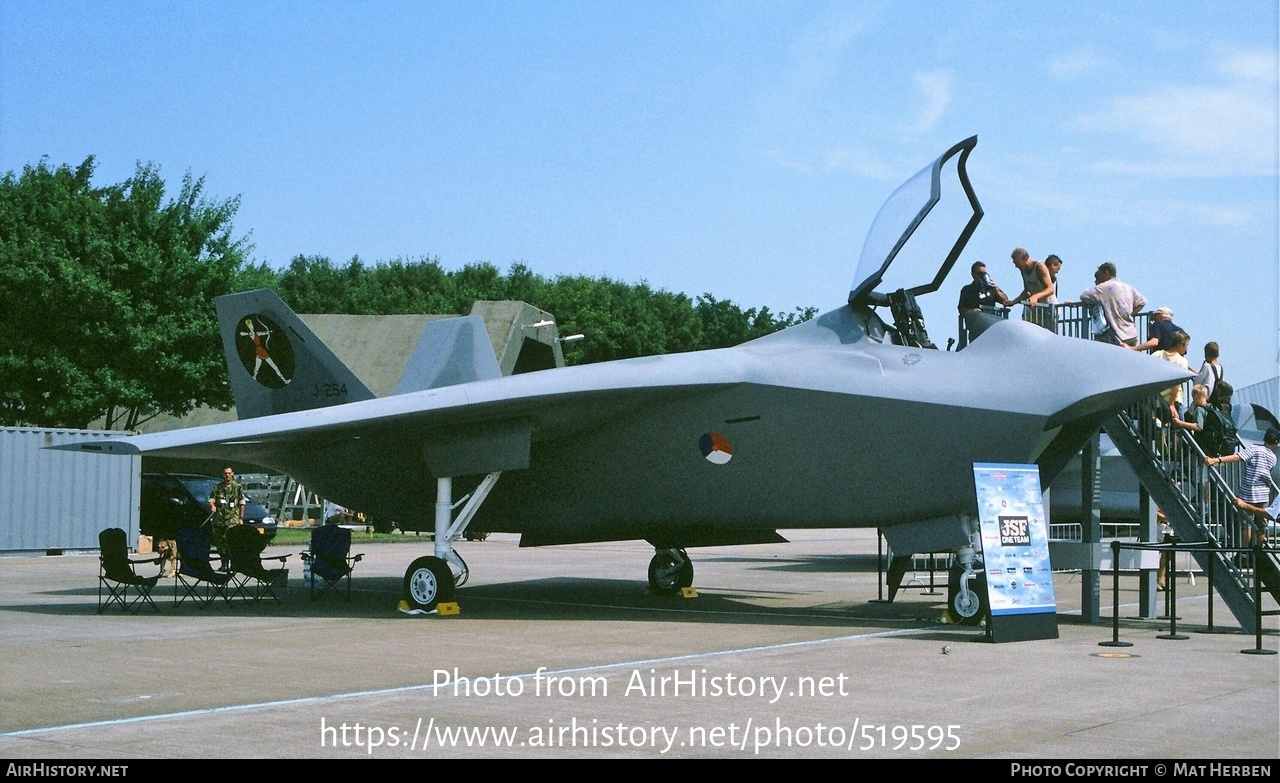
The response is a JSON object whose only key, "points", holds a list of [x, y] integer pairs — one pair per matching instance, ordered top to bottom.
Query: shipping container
{"points": [[58, 501]]}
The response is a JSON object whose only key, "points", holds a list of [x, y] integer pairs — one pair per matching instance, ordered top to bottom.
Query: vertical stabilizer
{"points": [[450, 351], [276, 364]]}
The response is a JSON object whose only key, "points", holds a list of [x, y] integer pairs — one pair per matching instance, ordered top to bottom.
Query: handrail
{"points": [[1069, 320], [1206, 495], [1212, 501]]}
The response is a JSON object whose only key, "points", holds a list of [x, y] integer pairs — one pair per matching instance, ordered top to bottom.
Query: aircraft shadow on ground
{"points": [[802, 564], [552, 599]]}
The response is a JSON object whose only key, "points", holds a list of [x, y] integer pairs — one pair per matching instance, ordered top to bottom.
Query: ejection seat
{"points": [[330, 559], [116, 573], [196, 575], [249, 578]]}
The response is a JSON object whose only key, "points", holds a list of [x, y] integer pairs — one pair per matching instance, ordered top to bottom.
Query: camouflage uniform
{"points": [[227, 500]]}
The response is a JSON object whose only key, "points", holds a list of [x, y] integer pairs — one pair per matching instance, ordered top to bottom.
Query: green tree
{"points": [[108, 296], [621, 320], [725, 324]]}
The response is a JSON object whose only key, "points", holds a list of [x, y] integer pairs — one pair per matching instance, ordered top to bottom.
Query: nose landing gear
{"points": [[967, 589]]}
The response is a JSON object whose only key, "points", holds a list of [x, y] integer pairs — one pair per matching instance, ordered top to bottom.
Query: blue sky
{"points": [[735, 148]]}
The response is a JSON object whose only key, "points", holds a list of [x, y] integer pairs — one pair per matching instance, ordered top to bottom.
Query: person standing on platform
{"points": [[1037, 289], [982, 292], [1120, 304], [1160, 331]]}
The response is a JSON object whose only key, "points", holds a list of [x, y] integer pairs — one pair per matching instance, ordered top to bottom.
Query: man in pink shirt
{"points": [[1119, 303]]}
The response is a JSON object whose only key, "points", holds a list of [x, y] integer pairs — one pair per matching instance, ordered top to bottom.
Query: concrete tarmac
{"points": [[559, 652]]}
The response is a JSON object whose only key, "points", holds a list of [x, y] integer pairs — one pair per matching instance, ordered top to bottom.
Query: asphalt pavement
{"points": [[562, 652]]}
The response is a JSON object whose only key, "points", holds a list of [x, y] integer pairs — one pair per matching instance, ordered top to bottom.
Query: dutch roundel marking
{"points": [[264, 351], [716, 448]]}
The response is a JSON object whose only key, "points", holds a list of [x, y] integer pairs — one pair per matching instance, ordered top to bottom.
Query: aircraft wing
{"points": [[463, 429]]}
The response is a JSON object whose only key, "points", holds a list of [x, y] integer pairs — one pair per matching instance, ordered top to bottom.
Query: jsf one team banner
{"points": [[1015, 548]]}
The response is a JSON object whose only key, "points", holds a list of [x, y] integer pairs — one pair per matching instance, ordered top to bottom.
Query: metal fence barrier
{"points": [[1249, 556]]}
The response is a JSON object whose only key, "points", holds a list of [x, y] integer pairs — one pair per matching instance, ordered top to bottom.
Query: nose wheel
{"points": [[670, 570], [968, 605]]}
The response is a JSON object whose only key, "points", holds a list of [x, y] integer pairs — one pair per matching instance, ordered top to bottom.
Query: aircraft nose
{"points": [[1068, 377], [1102, 377]]}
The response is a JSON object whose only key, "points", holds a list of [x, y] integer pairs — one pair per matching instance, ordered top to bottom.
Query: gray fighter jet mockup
{"points": [[843, 421]]}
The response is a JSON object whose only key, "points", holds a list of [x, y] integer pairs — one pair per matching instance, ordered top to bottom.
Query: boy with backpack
{"points": [[1211, 376], [1213, 429]]}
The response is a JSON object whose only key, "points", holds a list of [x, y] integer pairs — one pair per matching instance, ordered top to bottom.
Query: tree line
{"points": [[107, 294], [620, 320]]}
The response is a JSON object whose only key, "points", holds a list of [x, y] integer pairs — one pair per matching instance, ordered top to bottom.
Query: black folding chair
{"points": [[330, 559], [116, 573], [196, 575], [249, 577]]}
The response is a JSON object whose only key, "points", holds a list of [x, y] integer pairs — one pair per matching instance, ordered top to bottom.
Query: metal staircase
{"points": [[1199, 502]]}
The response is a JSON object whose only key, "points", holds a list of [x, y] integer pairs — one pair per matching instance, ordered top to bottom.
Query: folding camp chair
{"points": [[330, 558], [116, 574], [196, 575], [248, 576]]}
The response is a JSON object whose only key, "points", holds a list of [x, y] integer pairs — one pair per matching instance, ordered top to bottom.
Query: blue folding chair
{"points": [[330, 559], [116, 573], [196, 574], [249, 577]]}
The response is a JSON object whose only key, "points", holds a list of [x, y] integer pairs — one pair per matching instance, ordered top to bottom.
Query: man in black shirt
{"points": [[982, 292]]}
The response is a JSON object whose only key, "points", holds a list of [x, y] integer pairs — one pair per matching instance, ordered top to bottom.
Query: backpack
{"points": [[1221, 392], [1220, 397], [1220, 437]]}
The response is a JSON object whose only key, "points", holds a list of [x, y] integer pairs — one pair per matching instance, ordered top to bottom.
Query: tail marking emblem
{"points": [[265, 351]]}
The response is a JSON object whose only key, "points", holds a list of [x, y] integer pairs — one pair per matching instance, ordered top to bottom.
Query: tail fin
{"points": [[450, 351], [277, 364]]}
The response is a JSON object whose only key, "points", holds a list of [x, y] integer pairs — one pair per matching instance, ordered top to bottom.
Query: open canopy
{"points": [[921, 254]]}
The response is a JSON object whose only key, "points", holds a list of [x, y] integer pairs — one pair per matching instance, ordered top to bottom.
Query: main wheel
{"points": [[669, 572], [427, 582]]}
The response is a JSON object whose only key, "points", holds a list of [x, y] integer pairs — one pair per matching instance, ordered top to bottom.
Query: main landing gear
{"points": [[670, 570], [430, 581]]}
